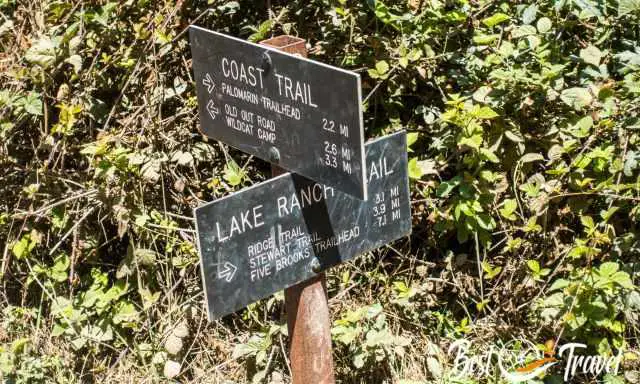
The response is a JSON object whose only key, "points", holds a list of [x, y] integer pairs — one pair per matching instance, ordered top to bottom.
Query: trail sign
{"points": [[302, 115], [288, 229]]}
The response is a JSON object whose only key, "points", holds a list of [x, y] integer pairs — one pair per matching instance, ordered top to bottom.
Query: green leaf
{"points": [[628, 6], [589, 9], [106, 12], [529, 14], [495, 19], [544, 25], [523, 30], [261, 31], [485, 39], [42, 52], [591, 55], [76, 62], [382, 67], [381, 70], [481, 94], [577, 97], [32, 103], [485, 113], [583, 127], [412, 137], [516, 137], [473, 141], [488, 155], [531, 157], [182, 158], [631, 163], [415, 172], [233, 174], [445, 188], [508, 209], [606, 215], [59, 218], [485, 221], [587, 222], [532, 226], [23, 248], [579, 251], [146, 257], [534, 266], [60, 267], [607, 269], [490, 271], [622, 279], [559, 284], [400, 287], [112, 294], [148, 298], [61, 305], [481, 305], [373, 310], [125, 313], [58, 329], [103, 331], [345, 334], [376, 338], [18, 346], [250, 348], [359, 359], [612, 379]]}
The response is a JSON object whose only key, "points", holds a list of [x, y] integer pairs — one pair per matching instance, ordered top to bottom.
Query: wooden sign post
{"points": [[307, 305]]}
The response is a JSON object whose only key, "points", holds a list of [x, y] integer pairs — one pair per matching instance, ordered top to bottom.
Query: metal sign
{"points": [[300, 114], [287, 229]]}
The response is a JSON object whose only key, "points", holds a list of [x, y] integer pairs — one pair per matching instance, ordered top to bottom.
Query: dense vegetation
{"points": [[524, 122]]}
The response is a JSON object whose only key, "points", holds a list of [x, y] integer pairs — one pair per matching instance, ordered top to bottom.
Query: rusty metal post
{"points": [[307, 306]]}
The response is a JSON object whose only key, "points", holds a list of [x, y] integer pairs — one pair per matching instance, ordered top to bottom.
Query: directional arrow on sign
{"points": [[208, 82], [213, 111], [227, 272]]}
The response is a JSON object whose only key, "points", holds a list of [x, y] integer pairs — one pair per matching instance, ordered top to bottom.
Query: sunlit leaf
{"points": [[495, 19]]}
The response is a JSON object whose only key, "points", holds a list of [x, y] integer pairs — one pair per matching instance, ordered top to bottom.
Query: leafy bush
{"points": [[524, 128]]}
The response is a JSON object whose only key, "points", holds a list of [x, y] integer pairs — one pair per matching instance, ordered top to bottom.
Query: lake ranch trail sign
{"points": [[302, 115], [288, 229]]}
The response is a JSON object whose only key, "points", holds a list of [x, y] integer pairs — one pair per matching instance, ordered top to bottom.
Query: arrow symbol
{"points": [[208, 82], [213, 111], [227, 272]]}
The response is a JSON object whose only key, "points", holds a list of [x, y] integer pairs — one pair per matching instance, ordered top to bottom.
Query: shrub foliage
{"points": [[525, 165]]}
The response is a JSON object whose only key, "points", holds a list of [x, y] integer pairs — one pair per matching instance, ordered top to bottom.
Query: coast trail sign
{"points": [[299, 114], [288, 229]]}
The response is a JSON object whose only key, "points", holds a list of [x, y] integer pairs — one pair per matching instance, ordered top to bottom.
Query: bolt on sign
{"points": [[303, 115], [285, 230]]}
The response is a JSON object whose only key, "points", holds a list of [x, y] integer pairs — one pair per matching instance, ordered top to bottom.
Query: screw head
{"points": [[266, 62], [274, 155], [315, 266]]}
